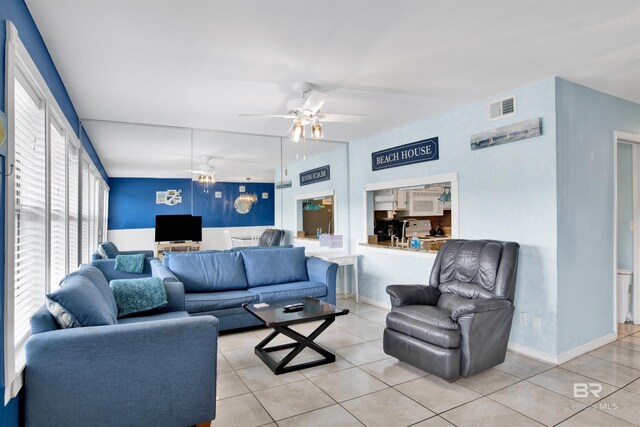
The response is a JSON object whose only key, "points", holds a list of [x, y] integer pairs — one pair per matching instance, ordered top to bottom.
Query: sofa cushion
{"points": [[108, 250], [130, 263], [275, 266], [107, 267], [208, 272], [99, 281], [290, 291], [138, 295], [209, 301], [79, 303], [153, 317], [426, 323]]}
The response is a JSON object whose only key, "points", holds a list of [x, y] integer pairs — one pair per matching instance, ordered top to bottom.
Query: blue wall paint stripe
{"points": [[132, 203]]}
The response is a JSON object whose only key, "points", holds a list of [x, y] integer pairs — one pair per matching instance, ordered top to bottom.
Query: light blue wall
{"points": [[586, 121], [506, 192], [286, 198], [625, 206]]}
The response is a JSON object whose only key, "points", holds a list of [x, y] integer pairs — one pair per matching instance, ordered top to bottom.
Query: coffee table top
{"points": [[314, 309]]}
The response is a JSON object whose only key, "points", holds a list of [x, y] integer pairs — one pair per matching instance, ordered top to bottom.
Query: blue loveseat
{"points": [[218, 283], [155, 369]]}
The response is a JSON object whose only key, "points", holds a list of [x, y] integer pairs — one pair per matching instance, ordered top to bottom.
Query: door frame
{"points": [[634, 140]]}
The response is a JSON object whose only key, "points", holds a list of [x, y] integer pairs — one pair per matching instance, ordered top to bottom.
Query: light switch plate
{"points": [[241, 189], [218, 194], [265, 195]]}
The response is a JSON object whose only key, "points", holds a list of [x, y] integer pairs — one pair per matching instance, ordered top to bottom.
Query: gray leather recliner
{"points": [[271, 237], [459, 324]]}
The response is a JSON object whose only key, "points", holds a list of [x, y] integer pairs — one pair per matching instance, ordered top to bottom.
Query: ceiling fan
{"points": [[305, 110]]}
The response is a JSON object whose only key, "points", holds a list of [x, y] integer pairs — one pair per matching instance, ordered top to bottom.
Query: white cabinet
{"points": [[384, 200]]}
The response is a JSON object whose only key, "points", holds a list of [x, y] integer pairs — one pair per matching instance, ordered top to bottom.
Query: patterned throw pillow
{"points": [[102, 252], [130, 263], [138, 295], [79, 303]]}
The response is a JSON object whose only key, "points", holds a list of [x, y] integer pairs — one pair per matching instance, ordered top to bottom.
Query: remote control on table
{"points": [[294, 307]]}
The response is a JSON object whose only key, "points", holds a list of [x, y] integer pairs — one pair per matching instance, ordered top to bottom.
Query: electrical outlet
{"points": [[523, 319], [536, 323]]}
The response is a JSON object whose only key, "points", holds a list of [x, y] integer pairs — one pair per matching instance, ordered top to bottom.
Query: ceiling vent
{"points": [[502, 108]]}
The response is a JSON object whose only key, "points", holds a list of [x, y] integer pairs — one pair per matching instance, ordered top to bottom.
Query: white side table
{"points": [[343, 259]]}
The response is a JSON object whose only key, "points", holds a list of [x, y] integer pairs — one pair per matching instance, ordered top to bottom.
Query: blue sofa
{"points": [[111, 251], [218, 283], [156, 369]]}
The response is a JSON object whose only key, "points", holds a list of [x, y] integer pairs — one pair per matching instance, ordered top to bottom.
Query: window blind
{"points": [[74, 199], [29, 200], [58, 206], [85, 213]]}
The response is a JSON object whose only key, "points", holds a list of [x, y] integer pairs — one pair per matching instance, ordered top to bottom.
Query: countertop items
{"points": [[430, 245]]}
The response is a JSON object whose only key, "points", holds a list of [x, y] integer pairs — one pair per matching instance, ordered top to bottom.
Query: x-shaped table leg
{"points": [[301, 342]]}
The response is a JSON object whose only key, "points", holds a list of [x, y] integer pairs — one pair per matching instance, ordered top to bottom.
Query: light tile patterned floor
{"points": [[367, 387]]}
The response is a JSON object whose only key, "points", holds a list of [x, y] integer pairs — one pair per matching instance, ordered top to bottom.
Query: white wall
{"points": [[143, 238]]}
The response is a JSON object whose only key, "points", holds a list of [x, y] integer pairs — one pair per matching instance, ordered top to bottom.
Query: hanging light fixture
{"points": [[316, 129], [297, 131], [249, 197]]}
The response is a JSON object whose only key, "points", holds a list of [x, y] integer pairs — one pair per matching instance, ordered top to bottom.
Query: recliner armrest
{"points": [[413, 295], [480, 305]]}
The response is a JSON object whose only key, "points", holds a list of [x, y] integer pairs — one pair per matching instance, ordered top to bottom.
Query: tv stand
{"points": [[162, 247]]}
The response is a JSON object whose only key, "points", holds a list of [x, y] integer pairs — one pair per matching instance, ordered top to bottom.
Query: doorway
{"points": [[627, 229]]}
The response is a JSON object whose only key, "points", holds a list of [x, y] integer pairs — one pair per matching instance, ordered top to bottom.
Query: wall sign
{"points": [[504, 134], [415, 152], [322, 173], [169, 197]]}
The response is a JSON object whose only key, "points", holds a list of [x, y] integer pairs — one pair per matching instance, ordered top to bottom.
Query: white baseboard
{"points": [[376, 303], [585, 348], [533, 353], [565, 356]]}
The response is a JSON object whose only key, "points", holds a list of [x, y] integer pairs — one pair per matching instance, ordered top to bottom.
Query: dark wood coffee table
{"points": [[275, 317]]}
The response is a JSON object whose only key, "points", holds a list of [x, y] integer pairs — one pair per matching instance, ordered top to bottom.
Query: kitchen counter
{"points": [[435, 244]]}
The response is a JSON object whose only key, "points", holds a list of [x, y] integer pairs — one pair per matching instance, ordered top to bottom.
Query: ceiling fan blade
{"points": [[315, 101], [278, 116], [341, 118]]}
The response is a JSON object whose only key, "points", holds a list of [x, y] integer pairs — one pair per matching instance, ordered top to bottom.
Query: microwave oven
{"points": [[421, 203]]}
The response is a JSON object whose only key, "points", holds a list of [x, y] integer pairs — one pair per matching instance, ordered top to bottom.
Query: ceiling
{"points": [[199, 64]]}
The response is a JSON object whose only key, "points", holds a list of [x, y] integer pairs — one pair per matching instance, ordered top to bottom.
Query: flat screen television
{"points": [[178, 228]]}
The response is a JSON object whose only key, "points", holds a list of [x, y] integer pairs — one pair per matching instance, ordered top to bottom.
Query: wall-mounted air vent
{"points": [[502, 108]]}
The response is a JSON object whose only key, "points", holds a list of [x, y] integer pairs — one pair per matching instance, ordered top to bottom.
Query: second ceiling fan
{"points": [[305, 110]]}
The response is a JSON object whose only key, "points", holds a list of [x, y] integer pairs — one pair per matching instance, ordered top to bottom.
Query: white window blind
{"points": [[74, 199], [29, 200], [94, 204], [58, 205], [85, 213]]}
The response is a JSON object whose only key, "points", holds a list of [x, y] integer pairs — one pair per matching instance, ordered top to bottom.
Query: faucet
{"points": [[329, 226], [404, 226]]}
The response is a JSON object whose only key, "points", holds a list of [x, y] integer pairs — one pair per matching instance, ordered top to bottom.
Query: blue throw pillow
{"points": [[108, 249], [130, 263], [138, 295], [79, 303]]}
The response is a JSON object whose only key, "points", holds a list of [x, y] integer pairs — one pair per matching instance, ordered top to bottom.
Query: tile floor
{"points": [[367, 387]]}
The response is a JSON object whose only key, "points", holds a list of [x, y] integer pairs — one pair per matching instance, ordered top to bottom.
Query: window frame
{"points": [[17, 61]]}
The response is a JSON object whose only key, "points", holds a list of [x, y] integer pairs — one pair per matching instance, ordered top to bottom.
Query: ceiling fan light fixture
{"points": [[316, 130], [297, 131]]}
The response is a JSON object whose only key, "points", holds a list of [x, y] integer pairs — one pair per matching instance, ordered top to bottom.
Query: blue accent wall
{"points": [[132, 203]]}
